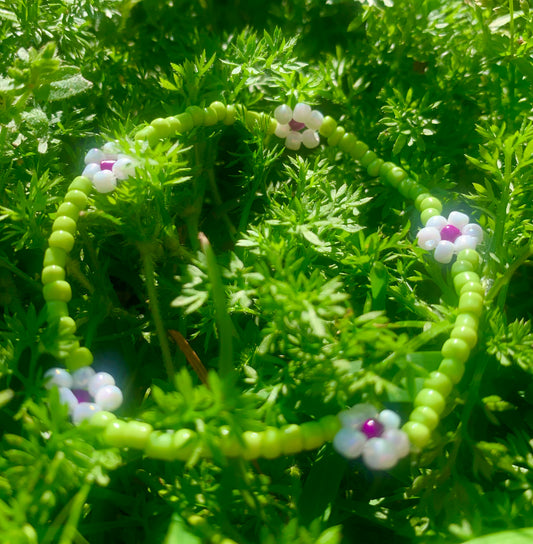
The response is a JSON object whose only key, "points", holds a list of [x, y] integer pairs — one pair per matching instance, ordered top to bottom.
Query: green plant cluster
{"points": [[235, 284]]}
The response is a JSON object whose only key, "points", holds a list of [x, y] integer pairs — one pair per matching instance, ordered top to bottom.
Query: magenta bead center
{"points": [[296, 125], [107, 165], [450, 233], [82, 395], [372, 428]]}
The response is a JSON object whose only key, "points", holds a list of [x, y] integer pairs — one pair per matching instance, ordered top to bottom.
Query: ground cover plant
{"points": [[239, 285]]}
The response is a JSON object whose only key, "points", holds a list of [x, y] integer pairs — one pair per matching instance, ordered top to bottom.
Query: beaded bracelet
{"points": [[359, 431]]}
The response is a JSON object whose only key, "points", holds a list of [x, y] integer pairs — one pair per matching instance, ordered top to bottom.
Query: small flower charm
{"points": [[298, 126], [104, 167], [449, 236], [375, 436]]}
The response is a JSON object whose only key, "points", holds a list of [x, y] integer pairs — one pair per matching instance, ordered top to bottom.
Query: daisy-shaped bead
{"points": [[298, 126], [106, 166], [448, 236], [374, 436]]}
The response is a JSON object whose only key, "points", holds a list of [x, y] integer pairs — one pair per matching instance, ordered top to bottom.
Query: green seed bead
{"points": [[220, 110], [197, 114], [231, 115], [211, 117], [252, 119], [186, 122], [175, 125], [272, 125], [328, 126], [162, 128], [148, 134], [336, 137], [348, 142], [368, 158], [374, 167], [386, 167], [395, 176], [81, 183], [406, 187], [418, 191], [78, 198], [420, 198], [430, 202], [68, 209], [427, 214], [65, 223], [61, 239], [470, 255], [55, 256], [461, 266], [52, 273], [464, 277], [472, 287], [57, 290], [471, 302], [56, 309], [467, 320], [67, 325], [468, 334], [455, 348], [79, 358], [453, 368], [439, 382], [431, 398], [425, 415], [101, 420], [331, 425], [116, 434], [137, 434], [311, 435], [419, 435], [291, 439], [184, 443], [228, 443], [270, 443], [252, 445], [159, 446]]}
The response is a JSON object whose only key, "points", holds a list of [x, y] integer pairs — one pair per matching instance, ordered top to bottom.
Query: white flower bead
{"points": [[301, 112], [283, 114], [314, 120], [282, 131], [310, 138], [293, 141], [110, 150], [94, 155], [124, 168], [90, 170], [105, 181], [458, 219], [437, 221], [473, 229], [428, 238], [465, 242], [444, 251], [58, 377], [81, 377], [99, 380], [66, 396], [108, 397], [84, 410], [357, 415], [389, 419], [399, 440], [349, 443], [379, 454]]}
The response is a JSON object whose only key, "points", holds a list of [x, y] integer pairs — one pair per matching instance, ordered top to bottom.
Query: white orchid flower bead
{"points": [[298, 126], [107, 166], [447, 236]]}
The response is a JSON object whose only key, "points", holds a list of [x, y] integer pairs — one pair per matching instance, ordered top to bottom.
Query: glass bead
{"points": [[301, 112], [283, 114], [315, 120], [296, 126], [328, 127], [282, 131], [335, 138], [310, 139], [293, 141], [110, 150], [94, 155], [374, 167], [124, 168], [90, 170], [105, 181], [430, 202], [428, 213], [458, 219], [437, 221], [65, 223], [473, 229], [450, 233], [428, 238], [61, 239], [465, 242], [444, 252], [470, 255], [461, 266], [52, 273], [463, 278], [472, 287], [57, 290], [471, 302], [466, 319], [468, 334], [455, 348], [79, 358], [453, 368], [82, 376], [57, 377], [99, 380], [439, 382], [82, 395], [66, 396], [108, 397], [431, 398], [83, 411], [425, 415], [354, 417], [389, 419], [101, 420], [372, 428], [137, 434], [311, 435], [419, 435], [291, 439], [399, 440], [183, 443], [270, 443], [349, 443], [252, 445], [159, 446], [379, 454]]}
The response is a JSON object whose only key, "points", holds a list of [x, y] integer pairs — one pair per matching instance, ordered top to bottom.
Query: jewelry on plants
{"points": [[362, 430]]}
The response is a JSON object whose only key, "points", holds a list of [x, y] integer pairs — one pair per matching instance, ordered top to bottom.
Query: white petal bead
{"points": [[301, 112], [283, 114], [314, 120], [282, 131], [310, 138], [293, 141], [111, 150], [94, 155], [124, 168], [90, 170], [105, 181], [458, 219], [437, 221], [473, 229], [428, 238], [465, 242], [444, 251], [57, 376], [81, 377], [99, 380], [66, 396], [108, 397], [83, 411], [357, 415], [389, 419], [399, 440], [349, 443], [379, 454]]}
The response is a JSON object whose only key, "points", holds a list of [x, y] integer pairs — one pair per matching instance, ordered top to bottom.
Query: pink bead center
{"points": [[296, 126], [107, 165], [450, 233], [82, 395], [372, 428]]}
